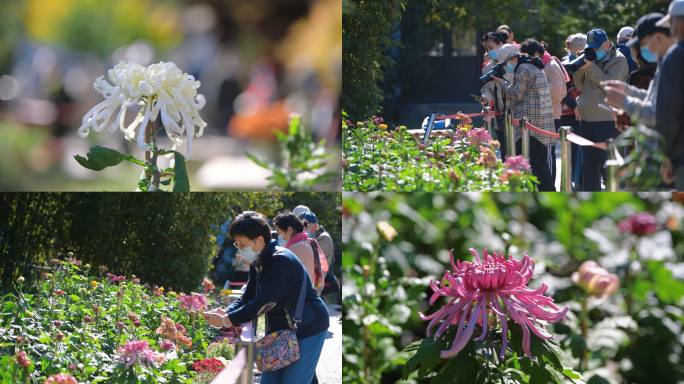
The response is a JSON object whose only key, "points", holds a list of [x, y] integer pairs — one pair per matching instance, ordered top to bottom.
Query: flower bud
{"points": [[386, 230], [70, 254], [86, 267], [20, 280], [596, 280], [84, 291], [59, 292], [120, 293], [96, 308], [29, 313], [88, 319], [58, 323], [137, 323], [120, 324], [60, 336], [20, 339], [72, 367]]}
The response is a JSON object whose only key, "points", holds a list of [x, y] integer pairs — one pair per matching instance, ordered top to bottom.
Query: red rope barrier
{"points": [[579, 140]]}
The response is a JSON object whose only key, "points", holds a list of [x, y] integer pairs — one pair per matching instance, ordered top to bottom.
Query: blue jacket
{"points": [[669, 100], [280, 282]]}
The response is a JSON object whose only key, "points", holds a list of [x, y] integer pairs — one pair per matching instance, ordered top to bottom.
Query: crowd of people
{"points": [[599, 88], [288, 263]]}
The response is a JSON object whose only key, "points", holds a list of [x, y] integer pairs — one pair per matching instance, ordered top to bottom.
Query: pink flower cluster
{"points": [[465, 119], [518, 163], [641, 224], [114, 278], [208, 285], [494, 286], [197, 302], [139, 351], [61, 378]]}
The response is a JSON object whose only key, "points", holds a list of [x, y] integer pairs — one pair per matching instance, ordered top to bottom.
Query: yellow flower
{"points": [[383, 126], [385, 230], [94, 283], [161, 290], [226, 291], [172, 294], [29, 313]]}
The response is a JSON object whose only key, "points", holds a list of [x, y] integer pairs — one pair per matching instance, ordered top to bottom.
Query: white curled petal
{"points": [[145, 88], [143, 127]]}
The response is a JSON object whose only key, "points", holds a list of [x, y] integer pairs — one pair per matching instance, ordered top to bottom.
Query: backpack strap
{"points": [[300, 303]]}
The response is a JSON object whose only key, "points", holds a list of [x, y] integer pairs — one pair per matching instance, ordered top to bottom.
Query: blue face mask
{"points": [[493, 54], [600, 55], [647, 55], [510, 68], [308, 233], [283, 242], [248, 253]]}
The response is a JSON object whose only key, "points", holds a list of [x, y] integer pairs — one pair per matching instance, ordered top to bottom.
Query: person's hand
{"points": [[586, 65], [497, 80], [617, 84], [614, 96], [482, 100], [578, 117], [666, 171], [218, 311], [216, 320]]}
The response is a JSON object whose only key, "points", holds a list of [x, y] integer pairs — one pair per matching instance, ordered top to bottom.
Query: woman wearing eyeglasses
{"points": [[274, 286]]}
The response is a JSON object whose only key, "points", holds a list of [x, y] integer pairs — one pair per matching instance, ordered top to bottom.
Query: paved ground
{"points": [[329, 370]]}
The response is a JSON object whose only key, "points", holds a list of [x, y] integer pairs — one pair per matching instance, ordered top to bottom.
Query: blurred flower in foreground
{"points": [[160, 88], [641, 224], [387, 231], [595, 279], [485, 284], [139, 352], [60, 378]]}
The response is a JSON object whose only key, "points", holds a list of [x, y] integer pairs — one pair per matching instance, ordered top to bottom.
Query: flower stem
{"points": [[585, 353]]}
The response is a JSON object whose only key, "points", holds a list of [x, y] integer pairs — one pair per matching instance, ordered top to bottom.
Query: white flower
{"points": [[161, 88]]}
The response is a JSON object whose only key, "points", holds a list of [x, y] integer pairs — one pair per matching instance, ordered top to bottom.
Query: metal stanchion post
{"points": [[488, 122], [510, 135], [525, 138], [566, 160], [611, 183]]}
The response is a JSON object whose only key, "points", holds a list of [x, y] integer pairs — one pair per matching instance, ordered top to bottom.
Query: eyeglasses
{"points": [[242, 249]]}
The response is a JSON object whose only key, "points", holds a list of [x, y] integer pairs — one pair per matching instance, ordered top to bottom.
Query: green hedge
{"points": [[164, 239]]}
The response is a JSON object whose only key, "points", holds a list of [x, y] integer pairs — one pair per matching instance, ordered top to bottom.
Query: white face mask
{"points": [[283, 242], [248, 253]]}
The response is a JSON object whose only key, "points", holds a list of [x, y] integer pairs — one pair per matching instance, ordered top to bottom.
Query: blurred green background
{"points": [[258, 61], [636, 334]]}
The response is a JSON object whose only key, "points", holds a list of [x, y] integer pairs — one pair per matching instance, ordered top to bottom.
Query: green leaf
{"points": [[100, 158], [259, 162], [181, 183], [74, 298], [542, 350], [427, 356], [463, 368], [571, 373]]}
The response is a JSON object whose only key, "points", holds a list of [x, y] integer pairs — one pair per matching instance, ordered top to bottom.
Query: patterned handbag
{"points": [[279, 349]]}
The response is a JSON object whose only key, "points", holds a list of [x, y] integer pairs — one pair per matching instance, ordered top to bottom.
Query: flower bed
{"points": [[377, 158], [78, 327]]}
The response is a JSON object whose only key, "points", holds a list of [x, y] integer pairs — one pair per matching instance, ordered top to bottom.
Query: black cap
{"points": [[646, 26]]}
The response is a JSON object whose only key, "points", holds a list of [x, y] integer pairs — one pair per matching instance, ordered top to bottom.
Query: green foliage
{"points": [[366, 35], [300, 155], [377, 160], [641, 169], [181, 183], [165, 239], [62, 331], [221, 349]]}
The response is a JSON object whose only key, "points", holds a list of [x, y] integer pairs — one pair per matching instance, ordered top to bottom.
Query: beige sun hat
{"points": [[508, 51]]}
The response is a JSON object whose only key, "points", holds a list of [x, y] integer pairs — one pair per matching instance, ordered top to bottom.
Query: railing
{"points": [[565, 135], [241, 369]]}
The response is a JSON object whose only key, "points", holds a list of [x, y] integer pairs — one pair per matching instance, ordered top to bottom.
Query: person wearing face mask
{"points": [[623, 37], [652, 42], [557, 78], [491, 92], [670, 97], [530, 98], [570, 115], [598, 122], [291, 235], [274, 287]]}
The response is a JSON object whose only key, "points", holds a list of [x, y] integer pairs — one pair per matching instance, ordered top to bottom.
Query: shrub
{"points": [[222, 348]]}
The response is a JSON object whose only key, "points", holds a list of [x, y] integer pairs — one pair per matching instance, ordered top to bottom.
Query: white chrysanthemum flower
{"points": [[161, 88]]}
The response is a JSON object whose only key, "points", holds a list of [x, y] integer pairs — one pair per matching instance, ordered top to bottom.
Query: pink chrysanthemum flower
{"points": [[479, 136], [518, 163], [641, 224], [497, 286], [198, 302], [139, 351], [60, 378]]}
